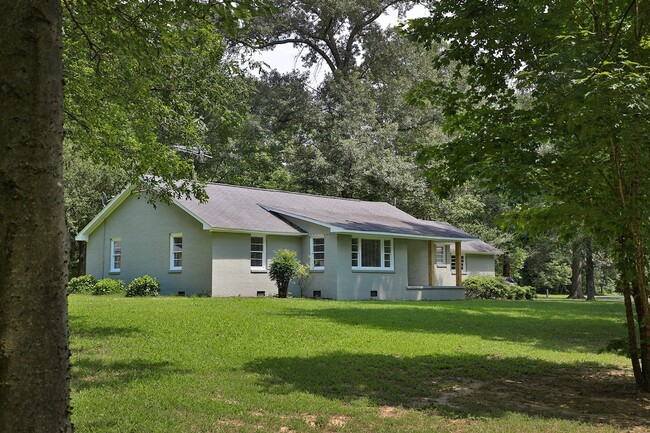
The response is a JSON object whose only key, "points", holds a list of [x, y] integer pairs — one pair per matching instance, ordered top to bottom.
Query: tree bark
{"points": [[506, 265], [81, 270], [576, 272], [590, 275], [640, 295], [631, 332], [34, 354]]}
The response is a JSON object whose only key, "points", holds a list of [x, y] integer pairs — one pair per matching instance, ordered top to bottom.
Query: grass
{"points": [[271, 365]]}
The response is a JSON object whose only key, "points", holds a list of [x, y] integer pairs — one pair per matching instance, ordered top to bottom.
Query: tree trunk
{"points": [[506, 265], [631, 265], [81, 270], [576, 272], [590, 275], [640, 295], [631, 332], [34, 380]]}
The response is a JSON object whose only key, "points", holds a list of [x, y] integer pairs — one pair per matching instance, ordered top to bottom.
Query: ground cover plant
{"points": [[171, 364]]}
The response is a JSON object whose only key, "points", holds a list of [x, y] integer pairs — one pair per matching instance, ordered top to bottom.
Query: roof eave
{"points": [[104, 213], [254, 232], [402, 235]]}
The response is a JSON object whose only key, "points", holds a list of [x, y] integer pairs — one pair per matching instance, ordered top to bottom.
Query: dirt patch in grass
{"points": [[605, 396], [391, 412], [338, 420]]}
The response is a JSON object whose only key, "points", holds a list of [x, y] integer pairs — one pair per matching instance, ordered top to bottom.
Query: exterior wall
{"points": [[144, 232], [418, 262], [479, 264], [475, 265], [231, 268], [324, 281], [358, 284]]}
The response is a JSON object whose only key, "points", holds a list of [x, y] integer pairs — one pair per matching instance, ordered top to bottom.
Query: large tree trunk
{"points": [[576, 272], [590, 275], [34, 381]]}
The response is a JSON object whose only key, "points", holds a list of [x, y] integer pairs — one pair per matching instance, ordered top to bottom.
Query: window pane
{"points": [[257, 251], [318, 252], [355, 252], [370, 253], [387, 253], [116, 255], [440, 255]]}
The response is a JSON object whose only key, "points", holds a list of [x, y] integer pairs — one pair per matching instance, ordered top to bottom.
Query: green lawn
{"points": [[273, 365]]}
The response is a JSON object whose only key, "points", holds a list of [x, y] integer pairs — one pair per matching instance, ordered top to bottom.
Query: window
{"points": [[175, 251], [257, 252], [318, 253], [388, 253], [372, 254], [116, 255], [440, 255], [453, 264]]}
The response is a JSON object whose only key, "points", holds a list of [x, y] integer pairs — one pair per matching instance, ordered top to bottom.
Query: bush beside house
{"points": [[283, 269], [82, 284], [108, 286], [143, 286], [483, 287]]}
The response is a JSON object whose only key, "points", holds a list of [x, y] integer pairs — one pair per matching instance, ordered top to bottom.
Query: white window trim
{"points": [[171, 251], [311, 253], [112, 259], [443, 263], [463, 264], [263, 267], [360, 267]]}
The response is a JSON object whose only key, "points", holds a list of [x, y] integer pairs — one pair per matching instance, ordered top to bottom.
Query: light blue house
{"points": [[356, 249]]}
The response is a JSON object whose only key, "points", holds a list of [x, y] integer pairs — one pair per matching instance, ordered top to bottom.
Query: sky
{"points": [[286, 58]]}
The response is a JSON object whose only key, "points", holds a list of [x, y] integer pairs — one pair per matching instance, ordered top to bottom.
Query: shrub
{"points": [[283, 268], [304, 278], [82, 284], [108, 286], [143, 286], [484, 287], [520, 292]]}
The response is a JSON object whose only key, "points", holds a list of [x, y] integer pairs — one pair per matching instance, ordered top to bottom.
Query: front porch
{"points": [[432, 265]]}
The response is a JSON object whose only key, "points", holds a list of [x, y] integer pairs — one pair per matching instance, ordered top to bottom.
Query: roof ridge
{"points": [[297, 193]]}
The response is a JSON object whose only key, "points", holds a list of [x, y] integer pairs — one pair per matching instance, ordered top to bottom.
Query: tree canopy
{"points": [[554, 106]]}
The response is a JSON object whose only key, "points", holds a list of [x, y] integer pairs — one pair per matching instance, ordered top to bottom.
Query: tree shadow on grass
{"points": [[545, 325], [83, 327], [90, 366], [91, 372], [463, 385]]}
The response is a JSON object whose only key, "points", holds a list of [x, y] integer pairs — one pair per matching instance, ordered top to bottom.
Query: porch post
{"points": [[431, 248], [459, 259]]}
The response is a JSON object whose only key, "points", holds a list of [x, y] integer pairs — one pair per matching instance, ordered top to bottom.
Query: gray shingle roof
{"points": [[253, 209], [478, 246]]}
